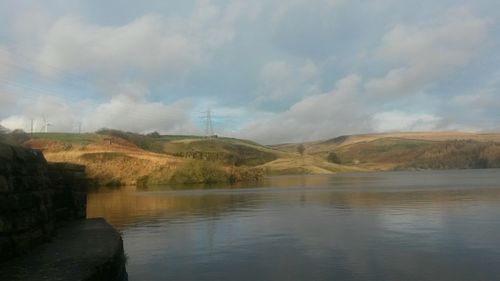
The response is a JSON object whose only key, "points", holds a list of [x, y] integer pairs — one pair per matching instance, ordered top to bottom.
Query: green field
{"points": [[68, 138]]}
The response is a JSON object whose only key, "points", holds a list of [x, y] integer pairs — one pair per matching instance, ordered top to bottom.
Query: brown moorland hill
{"points": [[407, 151], [121, 158]]}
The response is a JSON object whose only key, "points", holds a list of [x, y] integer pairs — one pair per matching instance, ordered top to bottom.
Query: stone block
{"points": [[6, 152], [20, 153], [5, 167], [18, 169], [4, 184], [46, 198], [22, 201], [12, 202], [4, 203], [45, 214], [25, 220], [6, 225], [49, 229], [27, 240], [6, 248], [85, 250]]}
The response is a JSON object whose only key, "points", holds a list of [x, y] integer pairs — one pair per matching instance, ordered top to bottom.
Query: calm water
{"points": [[377, 226]]}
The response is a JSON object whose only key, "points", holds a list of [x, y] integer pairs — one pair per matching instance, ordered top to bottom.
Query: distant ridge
{"points": [[408, 150]]}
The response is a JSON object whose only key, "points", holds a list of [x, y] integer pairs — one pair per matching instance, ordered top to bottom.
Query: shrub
{"points": [[154, 134], [148, 142], [300, 149], [333, 158], [195, 171]]}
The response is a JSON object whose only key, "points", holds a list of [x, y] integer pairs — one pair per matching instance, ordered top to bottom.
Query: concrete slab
{"points": [[83, 250]]}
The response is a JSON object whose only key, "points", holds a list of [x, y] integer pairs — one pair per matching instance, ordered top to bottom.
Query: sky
{"points": [[268, 70]]}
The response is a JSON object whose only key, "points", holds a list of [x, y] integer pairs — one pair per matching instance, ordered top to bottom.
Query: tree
{"points": [[154, 134], [301, 149], [333, 158]]}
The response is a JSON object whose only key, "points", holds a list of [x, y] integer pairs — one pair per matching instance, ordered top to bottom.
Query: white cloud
{"points": [[282, 8], [30, 23], [152, 44], [427, 53], [422, 54], [6, 62], [6, 72], [281, 81], [134, 89], [483, 98], [120, 112], [125, 113], [60, 114], [314, 117], [404, 121], [15, 122]]}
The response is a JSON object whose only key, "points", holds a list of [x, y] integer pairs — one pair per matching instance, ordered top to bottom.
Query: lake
{"points": [[426, 225]]}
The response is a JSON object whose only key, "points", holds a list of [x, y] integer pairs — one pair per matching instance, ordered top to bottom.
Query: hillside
{"points": [[406, 151], [115, 158], [120, 158], [109, 160]]}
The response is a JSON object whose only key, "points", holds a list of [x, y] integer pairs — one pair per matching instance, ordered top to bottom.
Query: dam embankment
{"points": [[43, 231]]}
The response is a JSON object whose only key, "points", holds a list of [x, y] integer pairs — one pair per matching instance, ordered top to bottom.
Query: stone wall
{"points": [[68, 183], [35, 197]]}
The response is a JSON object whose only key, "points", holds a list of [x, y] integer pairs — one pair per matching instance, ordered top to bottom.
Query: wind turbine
{"points": [[46, 124]]}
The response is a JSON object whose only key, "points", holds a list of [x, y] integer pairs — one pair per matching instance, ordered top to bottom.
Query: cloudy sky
{"points": [[270, 70]]}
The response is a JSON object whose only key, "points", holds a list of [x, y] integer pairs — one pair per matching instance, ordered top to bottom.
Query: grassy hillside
{"points": [[228, 151], [406, 151], [115, 158]]}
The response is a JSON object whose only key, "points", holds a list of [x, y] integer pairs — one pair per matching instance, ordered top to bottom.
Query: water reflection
{"points": [[128, 205], [378, 226]]}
